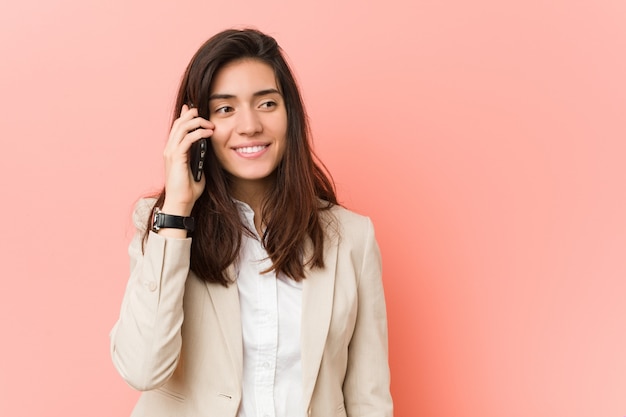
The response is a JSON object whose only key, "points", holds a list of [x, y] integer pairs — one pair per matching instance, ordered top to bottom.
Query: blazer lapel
{"points": [[317, 304], [227, 310]]}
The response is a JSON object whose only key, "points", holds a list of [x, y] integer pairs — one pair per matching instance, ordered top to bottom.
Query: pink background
{"points": [[485, 138]]}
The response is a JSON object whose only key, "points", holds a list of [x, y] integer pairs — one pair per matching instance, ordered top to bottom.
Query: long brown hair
{"points": [[292, 209]]}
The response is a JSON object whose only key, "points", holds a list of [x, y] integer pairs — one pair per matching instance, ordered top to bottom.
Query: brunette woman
{"points": [[252, 292]]}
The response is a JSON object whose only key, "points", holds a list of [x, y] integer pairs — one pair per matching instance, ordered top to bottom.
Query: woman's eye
{"points": [[268, 104], [224, 109]]}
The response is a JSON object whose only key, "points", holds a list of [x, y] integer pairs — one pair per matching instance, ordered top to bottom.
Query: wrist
{"points": [[176, 209], [162, 220], [173, 233]]}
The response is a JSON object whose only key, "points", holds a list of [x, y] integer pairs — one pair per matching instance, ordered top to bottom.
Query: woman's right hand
{"points": [[181, 190]]}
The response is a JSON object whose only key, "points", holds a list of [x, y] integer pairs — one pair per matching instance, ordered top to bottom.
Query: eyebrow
{"points": [[257, 94]]}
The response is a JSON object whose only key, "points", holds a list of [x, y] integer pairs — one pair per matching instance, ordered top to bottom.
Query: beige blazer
{"points": [[179, 339]]}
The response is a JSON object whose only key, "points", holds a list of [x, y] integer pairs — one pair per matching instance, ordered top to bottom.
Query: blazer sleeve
{"points": [[146, 340], [367, 382]]}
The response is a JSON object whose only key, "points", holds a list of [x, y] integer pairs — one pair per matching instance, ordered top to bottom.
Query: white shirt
{"points": [[271, 310]]}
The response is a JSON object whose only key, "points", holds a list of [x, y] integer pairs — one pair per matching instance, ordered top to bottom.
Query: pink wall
{"points": [[486, 139]]}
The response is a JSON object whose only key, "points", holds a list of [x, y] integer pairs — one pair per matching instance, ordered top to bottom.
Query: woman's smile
{"points": [[251, 151]]}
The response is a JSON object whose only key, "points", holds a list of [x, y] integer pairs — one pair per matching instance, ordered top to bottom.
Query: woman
{"points": [[252, 292]]}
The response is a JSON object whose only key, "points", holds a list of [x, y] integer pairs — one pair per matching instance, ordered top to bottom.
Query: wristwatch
{"points": [[168, 221]]}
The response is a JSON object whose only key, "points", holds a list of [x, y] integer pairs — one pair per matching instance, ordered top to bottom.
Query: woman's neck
{"points": [[253, 193]]}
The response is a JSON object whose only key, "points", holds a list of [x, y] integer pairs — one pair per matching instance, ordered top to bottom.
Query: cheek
{"points": [[281, 129], [219, 138], [218, 145], [281, 147]]}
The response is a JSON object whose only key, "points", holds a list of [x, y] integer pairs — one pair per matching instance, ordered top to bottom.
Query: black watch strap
{"points": [[168, 221]]}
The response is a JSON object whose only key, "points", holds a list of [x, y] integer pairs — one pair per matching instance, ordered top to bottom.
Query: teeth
{"points": [[251, 149]]}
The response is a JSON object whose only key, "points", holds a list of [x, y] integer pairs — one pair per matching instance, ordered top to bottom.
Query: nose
{"points": [[248, 122]]}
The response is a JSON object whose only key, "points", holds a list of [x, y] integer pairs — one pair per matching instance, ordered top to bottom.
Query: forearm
{"points": [[146, 340]]}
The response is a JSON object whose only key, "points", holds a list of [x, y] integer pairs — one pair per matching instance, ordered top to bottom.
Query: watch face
{"points": [[155, 220]]}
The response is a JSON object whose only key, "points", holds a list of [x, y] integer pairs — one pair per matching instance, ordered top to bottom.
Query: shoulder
{"points": [[143, 210], [349, 218], [349, 225], [355, 240]]}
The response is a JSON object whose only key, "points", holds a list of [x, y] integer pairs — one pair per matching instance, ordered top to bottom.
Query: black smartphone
{"points": [[196, 158]]}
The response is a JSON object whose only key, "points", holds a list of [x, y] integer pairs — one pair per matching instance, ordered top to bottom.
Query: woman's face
{"points": [[250, 120]]}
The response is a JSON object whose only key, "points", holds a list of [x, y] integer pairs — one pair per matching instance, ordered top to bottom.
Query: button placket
{"points": [[267, 322]]}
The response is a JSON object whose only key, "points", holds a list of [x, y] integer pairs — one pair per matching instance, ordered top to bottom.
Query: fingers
{"points": [[188, 121], [188, 128], [194, 136], [181, 189]]}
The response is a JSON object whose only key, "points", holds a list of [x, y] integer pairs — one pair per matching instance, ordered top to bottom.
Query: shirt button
{"points": [[150, 285], [266, 365]]}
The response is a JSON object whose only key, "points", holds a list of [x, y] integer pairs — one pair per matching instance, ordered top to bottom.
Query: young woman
{"points": [[252, 292]]}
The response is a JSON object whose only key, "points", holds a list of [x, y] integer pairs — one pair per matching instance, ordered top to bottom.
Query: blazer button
{"points": [[151, 285]]}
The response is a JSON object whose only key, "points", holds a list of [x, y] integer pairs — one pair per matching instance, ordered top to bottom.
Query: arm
{"points": [[146, 340], [366, 386]]}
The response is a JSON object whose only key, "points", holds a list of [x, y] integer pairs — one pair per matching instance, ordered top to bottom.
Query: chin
{"points": [[253, 175]]}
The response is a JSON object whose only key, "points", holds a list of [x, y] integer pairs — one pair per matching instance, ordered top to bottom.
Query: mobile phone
{"points": [[196, 155], [196, 158]]}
